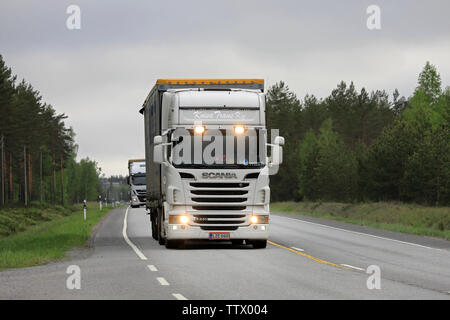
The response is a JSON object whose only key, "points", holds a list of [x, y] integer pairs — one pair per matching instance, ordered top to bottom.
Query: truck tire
{"points": [[154, 226], [161, 239], [259, 244]]}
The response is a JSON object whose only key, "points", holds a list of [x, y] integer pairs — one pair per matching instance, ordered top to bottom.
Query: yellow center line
{"points": [[308, 256]]}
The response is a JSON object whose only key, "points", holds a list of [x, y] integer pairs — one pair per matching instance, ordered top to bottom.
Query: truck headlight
{"points": [[199, 129], [239, 129], [134, 198], [179, 219], [184, 219], [259, 219]]}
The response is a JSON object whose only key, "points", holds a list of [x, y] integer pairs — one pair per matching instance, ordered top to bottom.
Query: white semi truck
{"points": [[207, 163], [137, 182]]}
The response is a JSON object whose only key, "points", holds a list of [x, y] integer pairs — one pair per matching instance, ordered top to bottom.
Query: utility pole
{"points": [[3, 170], [40, 173], [25, 174], [62, 178]]}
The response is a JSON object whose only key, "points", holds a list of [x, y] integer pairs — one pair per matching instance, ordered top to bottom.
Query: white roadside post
{"points": [[100, 202], [84, 209]]}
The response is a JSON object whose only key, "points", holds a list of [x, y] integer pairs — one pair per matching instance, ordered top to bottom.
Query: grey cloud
{"points": [[99, 75]]}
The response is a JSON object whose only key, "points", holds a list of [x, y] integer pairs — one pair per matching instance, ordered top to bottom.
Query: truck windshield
{"points": [[218, 149], [138, 180]]}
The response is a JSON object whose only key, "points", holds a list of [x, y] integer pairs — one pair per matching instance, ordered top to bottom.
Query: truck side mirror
{"points": [[157, 140], [279, 141], [277, 151], [277, 155], [128, 180]]}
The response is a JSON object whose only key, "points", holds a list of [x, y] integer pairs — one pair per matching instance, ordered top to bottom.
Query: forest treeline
{"points": [[358, 146], [38, 151]]}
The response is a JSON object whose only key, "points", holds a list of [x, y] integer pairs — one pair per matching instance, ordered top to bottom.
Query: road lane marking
{"points": [[360, 233], [131, 244], [298, 249], [308, 256], [152, 267], [356, 268], [162, 281], [179, 296]]}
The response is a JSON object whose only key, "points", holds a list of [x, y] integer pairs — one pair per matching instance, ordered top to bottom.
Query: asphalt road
{"points": [[305, 259]]}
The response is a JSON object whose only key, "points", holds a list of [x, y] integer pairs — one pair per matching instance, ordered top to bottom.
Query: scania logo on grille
{"points": [[219, 175]]}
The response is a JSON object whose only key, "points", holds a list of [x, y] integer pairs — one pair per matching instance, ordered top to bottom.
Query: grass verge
{"points": [[398, 217], [48, 234]]}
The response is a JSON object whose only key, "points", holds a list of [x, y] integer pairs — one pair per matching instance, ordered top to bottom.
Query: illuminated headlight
{"points": [[199, 129], [239, 129], [134, 198], [179, 219], [184, 219], [258, 219]]}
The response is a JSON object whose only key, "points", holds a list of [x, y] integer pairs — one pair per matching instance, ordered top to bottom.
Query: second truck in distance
{"points": [[137, 182]]}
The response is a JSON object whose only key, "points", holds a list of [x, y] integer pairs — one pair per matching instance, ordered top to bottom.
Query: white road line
{"points": [[360, 233], [131, 244], [298, 249], [152, 267], [356, 268], [162, 281], [179, 296]]}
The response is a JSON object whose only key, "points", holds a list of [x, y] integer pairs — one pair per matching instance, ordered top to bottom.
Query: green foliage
{"points": [[430, 83], [283, 112], [32, 130], [358, 146], [387, 158], [328, 168], [427, 171], [49, 239]]}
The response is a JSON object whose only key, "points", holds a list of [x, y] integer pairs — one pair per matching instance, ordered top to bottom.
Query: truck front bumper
{"points": [[137, 203], [253, 232]]}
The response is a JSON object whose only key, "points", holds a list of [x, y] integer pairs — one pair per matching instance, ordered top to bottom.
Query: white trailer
{"points": [[206, 155]]}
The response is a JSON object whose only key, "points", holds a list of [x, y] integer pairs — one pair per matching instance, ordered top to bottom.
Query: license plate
{"points": [[219, 236]]}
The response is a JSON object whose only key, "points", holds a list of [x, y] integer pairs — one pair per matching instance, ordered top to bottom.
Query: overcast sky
{"points": [[99, 75]]}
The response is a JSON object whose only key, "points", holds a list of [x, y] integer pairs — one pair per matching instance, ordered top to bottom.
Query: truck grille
{"points": [[141, 194], [210, 197], [219, 207], [208, 219], [220, 228]]}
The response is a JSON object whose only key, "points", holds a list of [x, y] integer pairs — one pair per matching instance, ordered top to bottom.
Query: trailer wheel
{"points": [[161, 239], [259, 244]]}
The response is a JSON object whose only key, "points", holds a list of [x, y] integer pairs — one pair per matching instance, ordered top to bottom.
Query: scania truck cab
{"points": [[207, 157], [137, 182]]}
